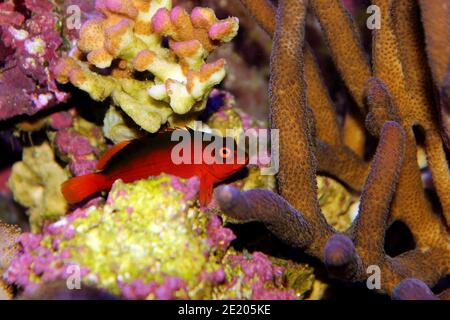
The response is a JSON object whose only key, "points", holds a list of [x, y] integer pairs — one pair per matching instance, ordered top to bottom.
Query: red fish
{"points": [[151, 156]]}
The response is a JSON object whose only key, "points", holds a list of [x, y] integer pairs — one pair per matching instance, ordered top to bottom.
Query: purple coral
{"points": [[9, 16], [30, 48], [216, 101], [61, 120], [70, 142], [80, 149], [189, 188], [218, 236], [38, 259], [51, 263], [260, 271], [412, 289], [137, 290]]}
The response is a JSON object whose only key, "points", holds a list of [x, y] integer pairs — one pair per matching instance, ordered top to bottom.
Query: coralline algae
{"points": [[29, 47], [149, 241]]}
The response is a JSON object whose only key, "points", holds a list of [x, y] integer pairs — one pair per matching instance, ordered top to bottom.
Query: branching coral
{"points": [[434, 16], [128, 44], [401, 64], [339, 151], [392, 190]]}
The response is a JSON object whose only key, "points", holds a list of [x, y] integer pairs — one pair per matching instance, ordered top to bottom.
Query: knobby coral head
{"points": [[149, 58]]}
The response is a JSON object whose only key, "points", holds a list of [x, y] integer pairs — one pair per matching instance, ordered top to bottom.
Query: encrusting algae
{"points": [[149, 240]]}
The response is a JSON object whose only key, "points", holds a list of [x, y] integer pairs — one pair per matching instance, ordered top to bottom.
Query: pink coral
{"points": [[8, 15], [61, 120], [78, 142], [190, 188], [218, 236], [45, 258], [258, 272], [137, 290]]}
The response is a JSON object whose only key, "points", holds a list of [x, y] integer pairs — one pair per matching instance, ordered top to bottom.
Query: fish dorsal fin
{"points": [[111, 153]]}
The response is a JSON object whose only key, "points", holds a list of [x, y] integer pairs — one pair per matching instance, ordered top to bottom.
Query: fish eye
{"points": [[224, 152]]}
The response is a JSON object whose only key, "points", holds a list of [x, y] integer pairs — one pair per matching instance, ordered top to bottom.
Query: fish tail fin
{"points": [[79, 188]]}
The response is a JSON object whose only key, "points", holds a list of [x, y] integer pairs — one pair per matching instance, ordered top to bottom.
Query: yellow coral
{"points": [[116, 51], [116, 128], [35, 182], [336, 203]]}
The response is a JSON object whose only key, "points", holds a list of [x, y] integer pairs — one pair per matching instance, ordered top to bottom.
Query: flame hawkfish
{"points": [[193, 153]]}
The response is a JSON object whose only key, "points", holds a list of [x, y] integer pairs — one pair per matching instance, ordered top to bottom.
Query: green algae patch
{"points": [[142, 233]]}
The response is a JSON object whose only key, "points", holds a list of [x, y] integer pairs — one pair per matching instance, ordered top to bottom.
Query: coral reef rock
{"points": [[28, 50], [150, 241]]}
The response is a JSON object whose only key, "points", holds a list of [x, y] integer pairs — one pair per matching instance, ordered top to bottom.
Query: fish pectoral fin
{"points": [[111, 153], [206, 191]]}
